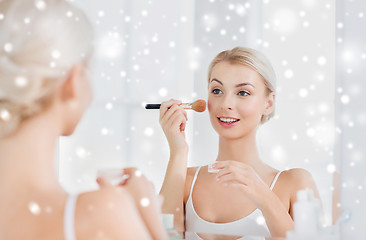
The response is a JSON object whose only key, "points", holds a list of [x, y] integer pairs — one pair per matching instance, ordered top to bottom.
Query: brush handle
{"points": [[152, 106], [157, 106]]}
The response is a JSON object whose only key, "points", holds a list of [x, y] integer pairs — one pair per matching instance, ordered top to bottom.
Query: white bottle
{"points": [[305, 213], [308, 221], [168, 222]]}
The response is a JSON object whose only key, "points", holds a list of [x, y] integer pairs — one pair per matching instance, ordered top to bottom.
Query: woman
{"points": [[44, 91], [246, 196]]}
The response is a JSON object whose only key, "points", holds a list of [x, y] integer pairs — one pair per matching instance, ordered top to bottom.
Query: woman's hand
{"points": [[173, 119], [242, 176], [142, 190], [145, 198]]}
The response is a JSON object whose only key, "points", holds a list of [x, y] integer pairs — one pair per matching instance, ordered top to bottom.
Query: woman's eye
{"points": [[216, 91], [243, 93]]}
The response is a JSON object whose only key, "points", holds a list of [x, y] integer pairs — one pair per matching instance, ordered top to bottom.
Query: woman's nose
{"points": [[227, 103]]}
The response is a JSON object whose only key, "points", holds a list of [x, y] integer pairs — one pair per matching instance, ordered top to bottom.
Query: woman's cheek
{"points": [[209, 104], [249, 109]]}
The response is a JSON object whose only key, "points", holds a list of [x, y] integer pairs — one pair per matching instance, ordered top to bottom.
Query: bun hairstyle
{"points": [[40, 42], [253, 59]]}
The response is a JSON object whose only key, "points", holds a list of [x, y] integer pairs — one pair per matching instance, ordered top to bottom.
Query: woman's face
{"points": [[237, 100]]}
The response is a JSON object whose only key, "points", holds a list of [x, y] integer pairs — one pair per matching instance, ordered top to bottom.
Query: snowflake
{"points": [[40, 5], [8, 47], [56, 54], [322, 60], [289, 73], [21, 81], [163, 92], [303, 93], [5, 115], [104, 131], [149, 131], [145, 202], [34, 208]]}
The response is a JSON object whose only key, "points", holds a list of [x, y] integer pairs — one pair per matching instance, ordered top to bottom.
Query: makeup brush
{"points": [[198, 105]]}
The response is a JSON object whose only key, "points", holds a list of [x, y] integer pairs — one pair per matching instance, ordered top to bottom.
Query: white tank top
{"points": [[69, 217], [245, 226]]}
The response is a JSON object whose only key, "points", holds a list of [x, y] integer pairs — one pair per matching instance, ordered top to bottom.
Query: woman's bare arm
{"points": [[173, 121], [173, 189], [109, 213], [279, 219]]}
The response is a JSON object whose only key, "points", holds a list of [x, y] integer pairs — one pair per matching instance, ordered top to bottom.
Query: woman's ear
{"points": [[70, 89], [72, 95], [270, 103]]}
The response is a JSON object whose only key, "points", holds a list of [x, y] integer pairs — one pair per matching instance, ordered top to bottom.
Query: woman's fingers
{"points": [[165, 106], [174, 109], [175, 117], [177, 121], [183, 126], [222, 164], [230, 164], [131, 171], [223, 171], [232, 178], [103, 183]]}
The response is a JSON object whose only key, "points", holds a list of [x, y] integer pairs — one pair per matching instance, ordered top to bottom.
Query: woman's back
{"points": [[44, 92], [26, 213], [32, 214]]}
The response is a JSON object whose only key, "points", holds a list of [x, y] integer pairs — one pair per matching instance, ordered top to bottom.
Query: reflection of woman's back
{"points": [[44, 92], [238, 199]]}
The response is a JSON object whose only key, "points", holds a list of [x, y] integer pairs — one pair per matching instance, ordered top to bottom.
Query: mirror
{"points": [[147, 53], [350, 118]]}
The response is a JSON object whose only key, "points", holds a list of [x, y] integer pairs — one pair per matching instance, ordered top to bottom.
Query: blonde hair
{"points": [[40, 42], [253, 59]]}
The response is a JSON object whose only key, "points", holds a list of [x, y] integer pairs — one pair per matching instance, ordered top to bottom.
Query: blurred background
{"points": [[148, 51], [350, 109]]}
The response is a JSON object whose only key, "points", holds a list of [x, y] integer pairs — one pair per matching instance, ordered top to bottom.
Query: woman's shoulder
{"points": [[191, 171], [296, 179], [89, 200], [110, 213]]}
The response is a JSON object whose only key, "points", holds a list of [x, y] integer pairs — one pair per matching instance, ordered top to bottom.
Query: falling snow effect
{"points": [[40, 4], [8, 47], [56, 54], [149, 56], [21, 81], [5, 115], [138, 173], [145, 202], [34, 208], [260, 220]]}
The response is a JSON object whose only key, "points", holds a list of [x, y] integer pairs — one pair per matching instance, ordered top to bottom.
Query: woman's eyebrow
{"points": [[214, 79], [244, 84], [237, 85]]}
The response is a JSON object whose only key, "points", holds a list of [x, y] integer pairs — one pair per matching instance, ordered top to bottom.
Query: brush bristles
{"points": [[199, 105]]}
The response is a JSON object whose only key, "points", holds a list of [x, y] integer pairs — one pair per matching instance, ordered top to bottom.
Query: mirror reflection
{"points": [[149, 54]]}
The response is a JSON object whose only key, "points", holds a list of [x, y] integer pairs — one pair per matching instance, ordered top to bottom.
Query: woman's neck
{"points": [[242, 149], [27, 156]]}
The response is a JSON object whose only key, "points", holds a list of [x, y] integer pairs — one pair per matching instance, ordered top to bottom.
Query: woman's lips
{"points": [[227, 122]]}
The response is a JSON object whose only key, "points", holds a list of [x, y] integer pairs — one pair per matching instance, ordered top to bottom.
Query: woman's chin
{"points": [[69, 131], [229, 134]]}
